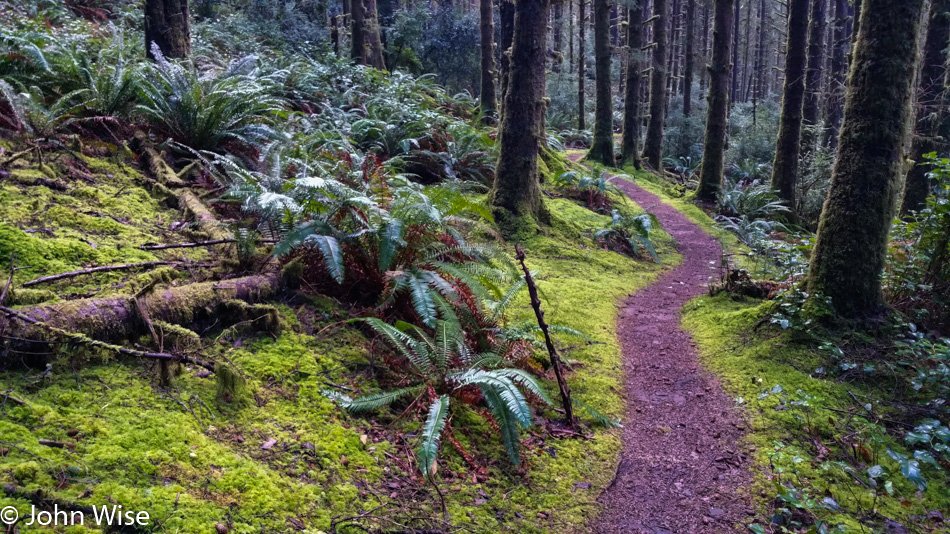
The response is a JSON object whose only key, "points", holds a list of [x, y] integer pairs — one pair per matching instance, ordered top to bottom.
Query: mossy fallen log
{"points": [[186, 200], [118, 318]]}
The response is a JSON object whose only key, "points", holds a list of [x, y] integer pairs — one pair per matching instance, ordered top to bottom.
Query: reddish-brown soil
{"points": [[681, 468]]}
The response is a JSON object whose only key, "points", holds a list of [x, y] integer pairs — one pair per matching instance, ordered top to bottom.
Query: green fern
{"points": [[428, 451]]}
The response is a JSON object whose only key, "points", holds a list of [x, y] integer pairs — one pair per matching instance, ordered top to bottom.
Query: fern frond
{"points": [[369, 403], [428, 451]]}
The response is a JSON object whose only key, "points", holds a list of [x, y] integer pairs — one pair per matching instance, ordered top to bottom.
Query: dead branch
{"points": [[187, 245], [103, 269], [552, 351]]}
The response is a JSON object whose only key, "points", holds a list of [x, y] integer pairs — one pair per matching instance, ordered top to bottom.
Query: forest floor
{"points": [[682, 437]]}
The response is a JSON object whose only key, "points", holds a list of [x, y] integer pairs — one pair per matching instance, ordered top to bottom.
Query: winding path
{"points": [[681, 466]]}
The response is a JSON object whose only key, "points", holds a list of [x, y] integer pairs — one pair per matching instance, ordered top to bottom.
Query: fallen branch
{"points": [[188, 245], [103, 269], [85, 340], [552, 350], [11, 399], [44, 501]]}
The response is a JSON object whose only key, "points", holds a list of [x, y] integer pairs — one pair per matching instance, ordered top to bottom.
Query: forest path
{"points": [[681, 467]]}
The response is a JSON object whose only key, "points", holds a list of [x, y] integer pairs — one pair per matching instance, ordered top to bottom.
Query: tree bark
{"points": [[168, 26], [357, 32], [373, 35], [690, 58], [581, 67], [760, 70], [813, 71], [489, 103], [717, 114], [932, 128], [630, 144], [788, 146], [653, 147], [602, 148], [516, 194], [851, 243]]}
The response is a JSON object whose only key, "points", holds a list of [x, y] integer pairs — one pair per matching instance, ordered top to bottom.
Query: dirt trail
{"points": [[681, 465]]}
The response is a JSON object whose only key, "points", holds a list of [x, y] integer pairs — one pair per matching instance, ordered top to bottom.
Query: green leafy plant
{"points": [[227, 110], [594, 190], [630, 233], [444, 366]]}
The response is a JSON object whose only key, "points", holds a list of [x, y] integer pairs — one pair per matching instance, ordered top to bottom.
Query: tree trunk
{"points": [[168, 26], [357, 32], [372, 34], [558, 56], [690, 58], [705, 62], [673, 65], [581, 68], [760, 70], [746, 71], [813, 71], [734, 96], [489, 103], [834, 103], [717, 113], [931, 129], [630, 145], [788, 146], [653, 148], [602, 149], [517, 192], [851, 243]]}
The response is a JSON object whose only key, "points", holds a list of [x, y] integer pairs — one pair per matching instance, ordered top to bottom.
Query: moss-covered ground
{"points": [[805, 429], [280, 456]]}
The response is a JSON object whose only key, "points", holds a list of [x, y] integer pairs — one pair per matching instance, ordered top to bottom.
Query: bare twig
{"points": [[105, 268], [552, 351]]}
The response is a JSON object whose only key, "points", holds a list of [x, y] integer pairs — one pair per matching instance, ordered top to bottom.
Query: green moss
{"points": [[784, 432]]}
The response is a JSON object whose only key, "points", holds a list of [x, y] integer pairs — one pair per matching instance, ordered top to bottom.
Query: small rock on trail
{"points": [[680, 469]]}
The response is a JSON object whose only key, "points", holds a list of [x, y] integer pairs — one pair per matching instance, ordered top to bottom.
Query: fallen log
{"points": [[187, 201], [103, 269], [118, 318], [83, 339]]}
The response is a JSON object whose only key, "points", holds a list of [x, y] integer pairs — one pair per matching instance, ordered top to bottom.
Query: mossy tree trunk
{"points": [[168, 26], [357, 31], [373, 35], [690, 59], [581, 64], [734, 96], [487, 98], [834, 103], [811, 108], [717, 113], [932, 117], [630, 144], [653, 147], [788, 147], [602, 149], [516, 195], [851, 243]]}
